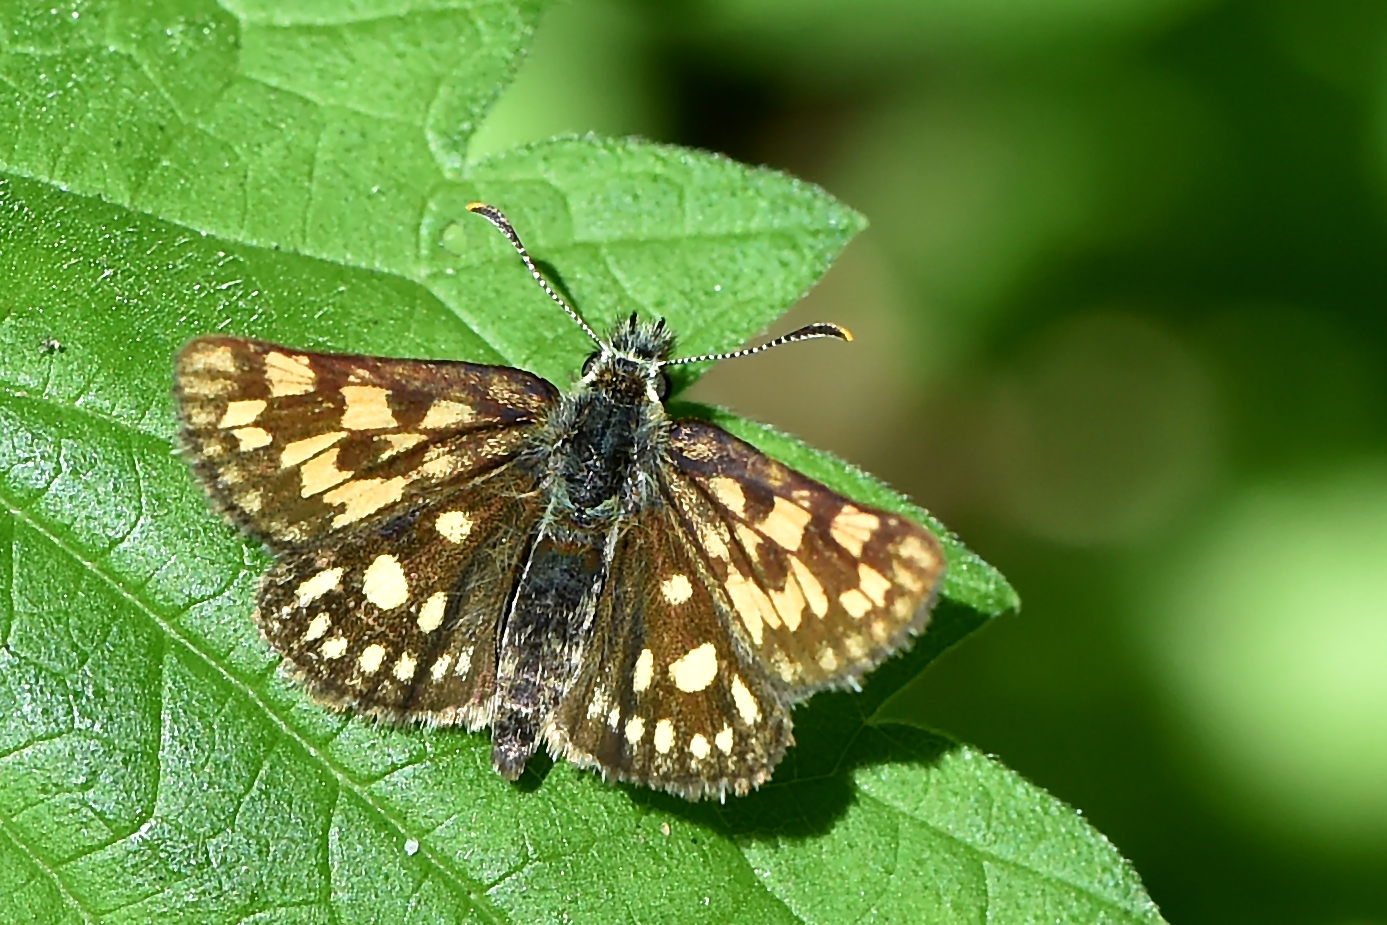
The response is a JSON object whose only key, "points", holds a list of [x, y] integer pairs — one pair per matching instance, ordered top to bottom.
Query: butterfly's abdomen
{"points": [[545, 634]]}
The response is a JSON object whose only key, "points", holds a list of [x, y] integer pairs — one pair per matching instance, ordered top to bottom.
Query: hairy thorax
{"points": [[600, 444]]}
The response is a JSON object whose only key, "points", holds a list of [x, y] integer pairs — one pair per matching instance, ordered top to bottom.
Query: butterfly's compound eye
{"points": [[591, 361], [662, 385]]}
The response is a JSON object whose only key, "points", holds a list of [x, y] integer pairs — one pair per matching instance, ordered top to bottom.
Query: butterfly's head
{"points": [[631, 360]]}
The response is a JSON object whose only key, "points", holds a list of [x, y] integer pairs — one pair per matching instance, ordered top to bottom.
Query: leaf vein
{"points": [[459, 882]]}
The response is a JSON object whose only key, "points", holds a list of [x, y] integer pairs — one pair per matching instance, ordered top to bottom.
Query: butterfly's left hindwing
{"points": [[298, 445], [664, 697]]}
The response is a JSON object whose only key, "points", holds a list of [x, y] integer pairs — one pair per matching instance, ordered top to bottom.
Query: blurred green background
{"points": [[1120, 322]]}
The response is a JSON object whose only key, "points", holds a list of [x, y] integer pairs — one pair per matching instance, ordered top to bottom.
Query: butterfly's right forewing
{"points": [[298, 445]]}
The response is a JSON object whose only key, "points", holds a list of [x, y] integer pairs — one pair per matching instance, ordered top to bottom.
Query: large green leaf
{"points": [[297, 171]]}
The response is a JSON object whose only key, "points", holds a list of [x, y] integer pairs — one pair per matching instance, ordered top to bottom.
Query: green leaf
{"points": [[295, 172]]}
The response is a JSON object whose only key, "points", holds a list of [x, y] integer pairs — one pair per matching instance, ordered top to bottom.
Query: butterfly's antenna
{"points": [[498, 218], [808, 332]]}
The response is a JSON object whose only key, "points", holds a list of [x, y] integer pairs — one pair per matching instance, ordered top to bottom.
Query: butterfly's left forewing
{"points": [[821, 589]]}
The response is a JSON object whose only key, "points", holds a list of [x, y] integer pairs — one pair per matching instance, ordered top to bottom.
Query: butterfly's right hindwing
{"points": [[398, 620], [664, 696]]}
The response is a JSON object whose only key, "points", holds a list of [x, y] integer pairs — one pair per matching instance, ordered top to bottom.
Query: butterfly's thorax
{"points": [[599, 444]]}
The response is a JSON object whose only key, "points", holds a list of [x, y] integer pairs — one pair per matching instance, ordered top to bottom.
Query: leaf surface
{"points": [[296, 171]]}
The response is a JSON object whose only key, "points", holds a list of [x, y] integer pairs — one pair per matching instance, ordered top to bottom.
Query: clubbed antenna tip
{"points": [[808, 332]]}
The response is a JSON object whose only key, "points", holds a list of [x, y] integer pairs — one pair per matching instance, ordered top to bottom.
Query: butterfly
{"points": [[461, 544]]}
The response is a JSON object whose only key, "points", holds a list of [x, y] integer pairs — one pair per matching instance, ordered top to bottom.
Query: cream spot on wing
{"points": [[213, 359], [288, 375], [205, 386], [368, 408], [241, 413], [444, 413], [201, 416], [252, 438], [399, 443], [296, 452], [440, 462], [321, 473], [729, 493], [362, 497], [251, 501], [785, 524], [454, 525], [853, 528], [711, 540], [751, 541], [917, 551], [908, 579], [384, 583], [873, 583], [320, 584], [676, 589], [741, 591], [813, 591], [789, 603], [855, 603], [902, 607], [431, 614], [317, 627], [879, 630], [856, 646], [335, 647], [371, 657], [828, 659], [464, 664], [440, 666], [404, 667], [696, 669], [645, 670], [789, 671], [598, 704], [747, 707], [614, 718], [635, 730], [664, 736], [723, 740], [698, 746]]}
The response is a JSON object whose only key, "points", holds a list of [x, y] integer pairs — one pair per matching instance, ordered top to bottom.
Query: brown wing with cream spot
{"points": [[297, 445], [823, 588], [398, 619], [662, 696]]}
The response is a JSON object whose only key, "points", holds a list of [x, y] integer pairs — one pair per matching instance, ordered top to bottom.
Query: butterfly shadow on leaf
{"points": [[835, 734]]}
